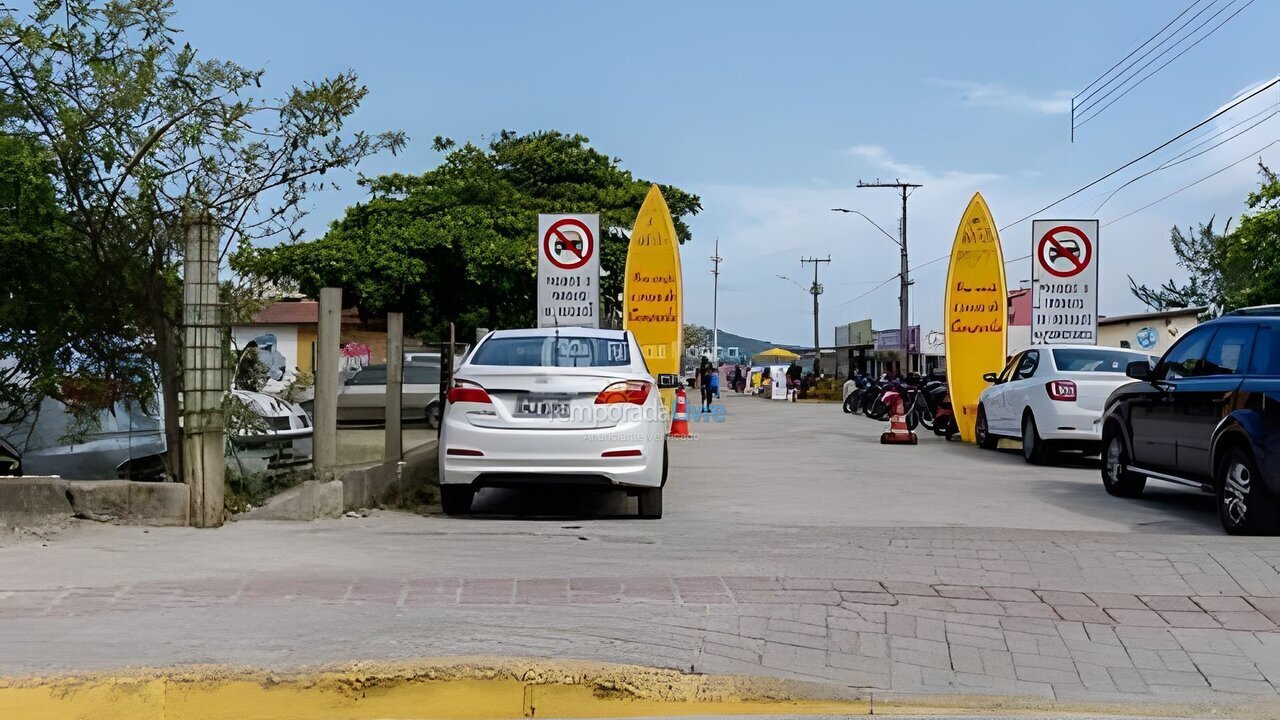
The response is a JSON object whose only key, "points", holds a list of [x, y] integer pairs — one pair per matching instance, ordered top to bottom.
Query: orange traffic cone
{"points": [[680, 418], [898, 431]]}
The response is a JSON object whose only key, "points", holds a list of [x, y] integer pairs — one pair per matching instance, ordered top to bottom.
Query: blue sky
{"points": [[773, 111]]}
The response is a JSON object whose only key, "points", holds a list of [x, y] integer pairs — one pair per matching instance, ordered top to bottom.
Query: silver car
{"points": [[363, 397], [127, 441]]}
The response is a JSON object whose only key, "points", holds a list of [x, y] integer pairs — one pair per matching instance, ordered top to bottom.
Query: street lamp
{"points": [[896, 241], [901, 241], [793, 282]]}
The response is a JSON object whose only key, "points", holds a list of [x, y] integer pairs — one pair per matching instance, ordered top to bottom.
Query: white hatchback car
{"points": [[1051, 397], [560, 406]]}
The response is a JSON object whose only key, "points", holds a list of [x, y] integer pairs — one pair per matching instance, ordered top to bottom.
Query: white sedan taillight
{"points": [[1061, 390], [463, 391], [634, 392]]}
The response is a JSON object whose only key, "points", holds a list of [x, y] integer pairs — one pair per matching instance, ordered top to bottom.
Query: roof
{"points": [[1256, 311], [295, 312], [287, 313], [1155, 315]]}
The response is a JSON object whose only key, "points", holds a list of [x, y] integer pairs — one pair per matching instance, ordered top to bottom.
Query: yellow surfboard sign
{"points": [[653, 297], [976, 313]]}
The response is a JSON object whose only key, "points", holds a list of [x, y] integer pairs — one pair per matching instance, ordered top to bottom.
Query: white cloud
{"points": [[1249, 89], [998, 96], [908, 172], [764, 230]]}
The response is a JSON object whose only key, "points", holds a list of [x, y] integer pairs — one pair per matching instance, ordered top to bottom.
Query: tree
{"points": [[142, 133], [457, 243], [1253, 256], [1228, 270], [54, 298], [696, 336]]}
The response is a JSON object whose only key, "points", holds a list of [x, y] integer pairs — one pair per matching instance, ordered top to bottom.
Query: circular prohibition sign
{"points": [[576, 243], [1076, 251]]}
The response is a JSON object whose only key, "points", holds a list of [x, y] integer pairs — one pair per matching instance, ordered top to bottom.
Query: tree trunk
{"points": [[168, 355]]}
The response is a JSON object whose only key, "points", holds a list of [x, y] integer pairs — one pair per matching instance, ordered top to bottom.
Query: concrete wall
{"points": [[1167, 331], [385, 483], [29, 501]]}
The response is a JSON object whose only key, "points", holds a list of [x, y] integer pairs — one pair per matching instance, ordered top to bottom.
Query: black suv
{"points": [[1207, 415]]}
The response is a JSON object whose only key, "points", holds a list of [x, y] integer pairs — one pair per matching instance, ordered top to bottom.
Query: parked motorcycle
{"points": [[925, 402], [853, 403], [873, 405], [944, 419]]}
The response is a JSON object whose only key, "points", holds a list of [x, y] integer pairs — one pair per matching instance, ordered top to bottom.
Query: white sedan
{"points": [[1051, 397], [560, 406]]}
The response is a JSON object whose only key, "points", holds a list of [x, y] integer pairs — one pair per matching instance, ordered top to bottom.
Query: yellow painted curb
{"points": [[482, 689]]}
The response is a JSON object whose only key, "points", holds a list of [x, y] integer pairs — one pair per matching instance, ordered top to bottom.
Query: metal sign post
{"points": [[568, 271], [1064, 281]]}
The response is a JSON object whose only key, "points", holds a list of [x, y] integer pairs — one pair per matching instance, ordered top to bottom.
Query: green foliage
{"points": [[132, 133], [458, 243], [1253, 257], [1228, 270], [56, 299], [696, 336], [250, 372]]}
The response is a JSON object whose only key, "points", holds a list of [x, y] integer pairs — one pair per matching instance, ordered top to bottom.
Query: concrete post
{"points": [[328, 343], [395, 378], [203, 379]]}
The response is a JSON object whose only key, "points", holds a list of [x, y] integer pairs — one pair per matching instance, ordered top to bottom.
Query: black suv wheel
{"points": [[1117, 478], [1245, 505]]}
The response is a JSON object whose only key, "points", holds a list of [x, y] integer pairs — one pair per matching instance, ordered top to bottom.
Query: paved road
{"points": [[794, 545]]}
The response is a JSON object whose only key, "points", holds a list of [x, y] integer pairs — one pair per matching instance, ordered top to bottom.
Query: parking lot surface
{"points": [[793, 545]]}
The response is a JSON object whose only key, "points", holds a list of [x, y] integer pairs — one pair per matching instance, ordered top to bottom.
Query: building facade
{"points": [[1152, 332]]}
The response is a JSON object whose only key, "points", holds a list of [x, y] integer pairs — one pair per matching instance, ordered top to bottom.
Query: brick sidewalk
{"points": [[1206, 631]]}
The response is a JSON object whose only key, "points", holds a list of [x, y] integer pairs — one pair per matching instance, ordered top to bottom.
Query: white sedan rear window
{"points": [[550, 351], [1088, 360]]}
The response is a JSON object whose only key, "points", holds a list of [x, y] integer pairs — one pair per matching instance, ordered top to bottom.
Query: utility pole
{"points": [[816, 289], [903, 301], [715, 302]]}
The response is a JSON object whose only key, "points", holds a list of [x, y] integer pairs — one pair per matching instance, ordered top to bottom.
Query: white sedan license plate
{"points": [[541, 406]]}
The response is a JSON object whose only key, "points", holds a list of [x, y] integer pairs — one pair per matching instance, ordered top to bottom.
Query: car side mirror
{"points": [[1138, 370], [990, 377], [667, 381]]}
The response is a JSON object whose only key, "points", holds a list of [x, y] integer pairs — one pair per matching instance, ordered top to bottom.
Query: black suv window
{"points": [[1228, 351], [1266, 356], [1186, 357], [1027, 368]]}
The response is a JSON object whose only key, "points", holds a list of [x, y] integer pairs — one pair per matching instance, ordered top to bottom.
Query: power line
{"points": [[1135, 50], [1086, 99], [1243, 99], [1230, 106], [1098, 112], [1209, 136], [1192, 144], [1174, 161], [1192, 184], [882, 284]]}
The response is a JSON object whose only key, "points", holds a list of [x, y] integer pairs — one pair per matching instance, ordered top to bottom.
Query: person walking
{"points": [[704, 381], [715, 382]]}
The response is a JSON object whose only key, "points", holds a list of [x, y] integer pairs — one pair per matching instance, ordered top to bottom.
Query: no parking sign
{"points": [[568, 271], [1064, 296]]}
